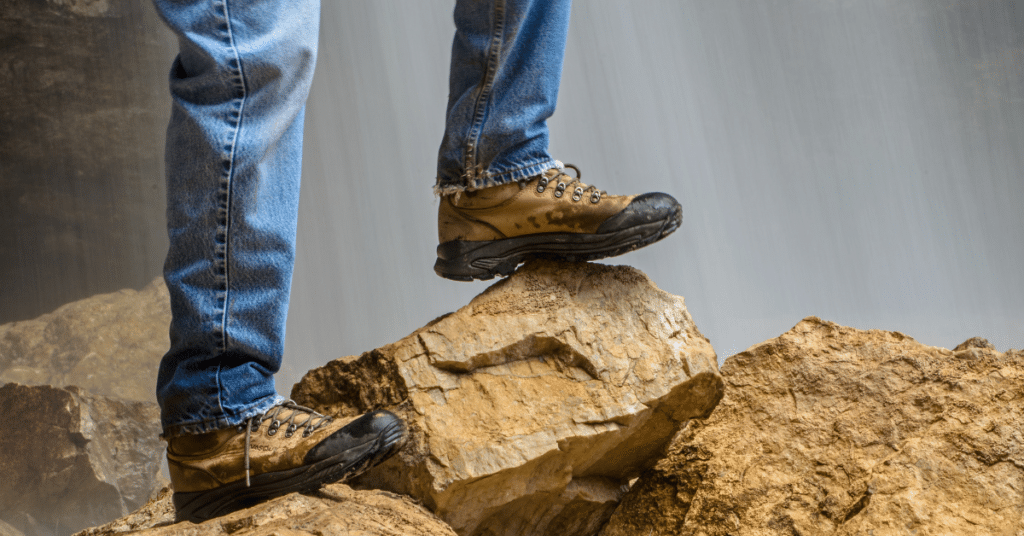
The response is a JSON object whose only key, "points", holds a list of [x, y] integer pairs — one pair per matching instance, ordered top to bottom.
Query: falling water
{"points": [[857, 161]]}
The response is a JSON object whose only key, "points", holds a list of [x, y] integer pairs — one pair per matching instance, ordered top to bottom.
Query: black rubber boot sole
{"points": [[465, 261], [201, 506]]}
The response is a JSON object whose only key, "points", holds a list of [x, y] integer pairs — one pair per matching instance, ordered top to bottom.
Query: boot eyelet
{"points": [[542, 184], [560, 189], [577, 194], [595, 198], [273, 428], [290, 430], [306, 432]]}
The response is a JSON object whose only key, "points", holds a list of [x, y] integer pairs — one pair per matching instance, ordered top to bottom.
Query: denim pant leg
{"points": [[505, 72], [233, 157]]}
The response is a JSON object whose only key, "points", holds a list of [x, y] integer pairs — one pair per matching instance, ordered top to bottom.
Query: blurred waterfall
{"points": [[858, 161]]}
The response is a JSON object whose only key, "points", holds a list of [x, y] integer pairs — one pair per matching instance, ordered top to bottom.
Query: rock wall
{"points": [[85, 106], [532, 406], [833, 430], [73, 460]]}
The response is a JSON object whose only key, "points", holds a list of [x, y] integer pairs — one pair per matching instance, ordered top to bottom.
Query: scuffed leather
{"points": [[516, 209], [643, 209]]}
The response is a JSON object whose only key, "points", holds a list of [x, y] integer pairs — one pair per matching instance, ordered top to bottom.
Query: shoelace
{"points": [[581, 188], [252, 424]]}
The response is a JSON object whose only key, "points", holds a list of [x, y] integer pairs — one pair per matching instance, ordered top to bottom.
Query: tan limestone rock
{"points": [[109, 344], [532, 406], [833, 430], [73, 460], [334, 510], [8, 530]]}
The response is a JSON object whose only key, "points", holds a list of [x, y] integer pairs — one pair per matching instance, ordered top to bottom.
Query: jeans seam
{"points": [[238, 76], [480, 115]]}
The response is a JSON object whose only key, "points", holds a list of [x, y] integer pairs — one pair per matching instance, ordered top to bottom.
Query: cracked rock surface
{"points": [[532, 407], [833, 430], [334, 510]]}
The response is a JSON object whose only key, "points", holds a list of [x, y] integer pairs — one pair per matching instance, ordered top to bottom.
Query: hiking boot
{"points": [[489, 232], [219, 472]]}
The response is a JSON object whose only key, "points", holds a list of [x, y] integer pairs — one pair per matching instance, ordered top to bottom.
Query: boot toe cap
{"points": [[644, 209], [374, 430]]}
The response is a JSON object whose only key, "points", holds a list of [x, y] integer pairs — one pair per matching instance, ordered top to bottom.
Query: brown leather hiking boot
{"points": [[490, 231], [219, 472]]}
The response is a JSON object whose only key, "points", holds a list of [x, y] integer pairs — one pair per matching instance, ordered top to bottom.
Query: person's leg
{"points": [[506, 68], [234, 154], [233, 159], [503, 198]]}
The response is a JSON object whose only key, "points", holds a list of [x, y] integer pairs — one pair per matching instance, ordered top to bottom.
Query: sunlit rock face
{"points": [[109, 344], [532, 406], [833, 430], [73, 460], [336, 509]]}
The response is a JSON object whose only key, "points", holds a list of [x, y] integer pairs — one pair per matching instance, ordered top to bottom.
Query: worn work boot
{"points": [[489, 232], [226, 470]]}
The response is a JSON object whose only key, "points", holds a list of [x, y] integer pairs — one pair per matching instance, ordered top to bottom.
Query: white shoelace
{"points": [[272, 415]]}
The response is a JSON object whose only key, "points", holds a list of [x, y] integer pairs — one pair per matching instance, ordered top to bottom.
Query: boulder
{"points": [[109, 344], [532, 407], [833, 430], [73, 460], [334, 510], [8, 530]]}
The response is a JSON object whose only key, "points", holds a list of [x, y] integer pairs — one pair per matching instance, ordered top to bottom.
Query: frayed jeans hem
{"points": [[462, 184], [221, 422]]}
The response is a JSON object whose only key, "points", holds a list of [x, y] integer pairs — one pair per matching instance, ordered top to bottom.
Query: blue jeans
{"points": [[234, 155]]}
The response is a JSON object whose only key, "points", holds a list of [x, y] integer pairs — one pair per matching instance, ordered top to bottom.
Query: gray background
{"points": [[857, 160]]}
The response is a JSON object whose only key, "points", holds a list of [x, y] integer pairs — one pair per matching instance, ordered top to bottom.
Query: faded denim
{"points": [[503, 84], [233, 158]]}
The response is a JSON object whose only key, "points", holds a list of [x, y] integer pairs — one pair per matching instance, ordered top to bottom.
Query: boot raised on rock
{"points": [[489, 232]]}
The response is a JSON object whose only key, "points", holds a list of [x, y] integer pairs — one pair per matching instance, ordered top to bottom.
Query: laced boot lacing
{"points": [[578, 191], [313, 421]]}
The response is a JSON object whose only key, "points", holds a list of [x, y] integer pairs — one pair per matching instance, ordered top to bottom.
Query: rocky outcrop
{"points": [[109, 344], [533, 406], [832, 430], [73, 460], [334, 510], [8, 530]]}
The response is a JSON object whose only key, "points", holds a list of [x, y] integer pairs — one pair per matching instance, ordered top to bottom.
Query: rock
{"points": [[974, 342], [109, 344], [532, 407], [832, 430], [73, 460], [335, 510], [8, 530]]}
